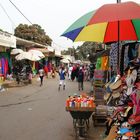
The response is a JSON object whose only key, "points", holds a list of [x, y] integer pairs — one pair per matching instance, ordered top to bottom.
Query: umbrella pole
{"points": [[118, 1], [118, 48]]}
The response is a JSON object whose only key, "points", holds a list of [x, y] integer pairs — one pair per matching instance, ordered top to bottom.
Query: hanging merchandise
{"points": [[139, 51], [132, 52], [114, 56], [126, 59], [105, 62], [98, 63], [5, 64], [0, 68], [34, 69], [130, 79]]}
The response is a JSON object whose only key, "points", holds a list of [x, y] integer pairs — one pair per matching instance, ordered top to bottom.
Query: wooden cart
{"points": [[80, 117]]}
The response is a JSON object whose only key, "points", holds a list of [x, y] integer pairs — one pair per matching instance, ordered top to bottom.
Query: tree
{"points": [[33, 33], [88, 50], [70, 51], [84, 52]]}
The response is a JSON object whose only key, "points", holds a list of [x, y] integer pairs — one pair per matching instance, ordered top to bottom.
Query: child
{"points": [[62, 75]]}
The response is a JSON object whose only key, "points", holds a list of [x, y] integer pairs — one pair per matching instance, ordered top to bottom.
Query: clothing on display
{"points": [[114, 56], [5, 64]]}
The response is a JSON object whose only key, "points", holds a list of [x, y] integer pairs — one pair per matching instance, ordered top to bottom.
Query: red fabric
{"points": [[116, 12], [6, 66], [46, 69], [138, 85], [130, 104], [134, 119]]}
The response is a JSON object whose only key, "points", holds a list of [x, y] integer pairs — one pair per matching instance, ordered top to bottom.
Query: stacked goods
{"points": [[80, 101]]}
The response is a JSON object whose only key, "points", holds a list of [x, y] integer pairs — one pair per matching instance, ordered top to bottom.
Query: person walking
{"points": [[46, 71], [53, 71], [69, 71], [73, 73], [41, 75], [62, 75], [80, 79]]}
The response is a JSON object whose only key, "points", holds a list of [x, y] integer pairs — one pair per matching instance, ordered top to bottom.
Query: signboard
{"points": [[7, 40]]}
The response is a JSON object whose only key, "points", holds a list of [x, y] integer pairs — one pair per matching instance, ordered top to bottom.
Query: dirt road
{"points": [[38, 113]]}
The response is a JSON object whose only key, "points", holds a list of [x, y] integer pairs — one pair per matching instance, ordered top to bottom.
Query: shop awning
{"points": [[7, 40], [28, 43]]}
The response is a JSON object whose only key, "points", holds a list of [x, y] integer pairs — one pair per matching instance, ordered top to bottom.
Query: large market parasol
{"points": [[110, 23]]}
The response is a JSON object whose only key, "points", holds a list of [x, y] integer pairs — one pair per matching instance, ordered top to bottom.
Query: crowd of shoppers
{"points": [[74, 72]]}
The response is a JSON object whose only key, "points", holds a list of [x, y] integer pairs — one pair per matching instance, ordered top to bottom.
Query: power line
{"points": [[20, 11], [7, 14], [28, 19]]}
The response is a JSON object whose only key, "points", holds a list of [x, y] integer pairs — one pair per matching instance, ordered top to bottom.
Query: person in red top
{"points": [[46, 71]]}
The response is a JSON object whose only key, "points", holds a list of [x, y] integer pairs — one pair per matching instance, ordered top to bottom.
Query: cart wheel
{"points": [[93, 119], [75, 121], [87, 123], [82, 128], [76, 131]]}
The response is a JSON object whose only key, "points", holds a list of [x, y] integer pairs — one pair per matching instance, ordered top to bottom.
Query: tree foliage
{"points": [[33, 33], [88, 50], [84, 52]]}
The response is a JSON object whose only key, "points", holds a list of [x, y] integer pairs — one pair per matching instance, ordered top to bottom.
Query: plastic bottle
{"points": [[68, 102], [79, 102], [73, 103]]}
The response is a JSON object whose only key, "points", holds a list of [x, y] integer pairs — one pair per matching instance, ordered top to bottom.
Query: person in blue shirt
{"points": [[62, 75]]}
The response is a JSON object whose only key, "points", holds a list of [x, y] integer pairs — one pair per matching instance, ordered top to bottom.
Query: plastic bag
{"points": [[38, 79]]}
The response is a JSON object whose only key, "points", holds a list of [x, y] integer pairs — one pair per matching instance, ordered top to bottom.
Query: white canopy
{"points": [[16, 51]]}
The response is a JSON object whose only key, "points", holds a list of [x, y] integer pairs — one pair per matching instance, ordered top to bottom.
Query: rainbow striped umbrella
{"points": [[110, 23]]}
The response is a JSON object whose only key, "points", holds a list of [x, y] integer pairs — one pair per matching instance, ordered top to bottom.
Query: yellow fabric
{"points": [[94, 32], [104, 65]]}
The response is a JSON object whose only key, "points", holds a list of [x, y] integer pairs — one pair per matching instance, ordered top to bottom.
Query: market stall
{"points": [[126, 115]]}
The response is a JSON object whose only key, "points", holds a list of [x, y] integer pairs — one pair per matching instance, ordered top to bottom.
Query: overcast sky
{"points": [[54, 16]]}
